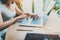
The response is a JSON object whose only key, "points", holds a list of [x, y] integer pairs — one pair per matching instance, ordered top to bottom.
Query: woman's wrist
{"points": [[21, 17], [16, 18]]}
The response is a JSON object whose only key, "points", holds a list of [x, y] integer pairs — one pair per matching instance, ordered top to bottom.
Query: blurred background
{"points": [[37, 6]]}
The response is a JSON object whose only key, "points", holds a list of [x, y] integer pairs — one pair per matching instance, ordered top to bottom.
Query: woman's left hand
{"points": [[34, 16], [21, 17]]}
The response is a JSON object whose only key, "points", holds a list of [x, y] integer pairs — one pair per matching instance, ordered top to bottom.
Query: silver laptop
{"points": [[41, 21], [33, 22]]}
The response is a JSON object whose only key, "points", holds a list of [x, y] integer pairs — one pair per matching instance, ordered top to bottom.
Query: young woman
{"points": [[9, 10], [6, 24]]}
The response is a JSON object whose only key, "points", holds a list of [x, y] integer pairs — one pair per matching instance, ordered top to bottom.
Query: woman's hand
{"points": [[32, 15], [21, 17]]}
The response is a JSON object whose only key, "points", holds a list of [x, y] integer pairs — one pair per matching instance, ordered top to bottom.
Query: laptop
{"points": [[41, 21], [32, 22]]}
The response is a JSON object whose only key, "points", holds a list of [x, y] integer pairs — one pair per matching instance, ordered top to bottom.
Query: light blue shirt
{"points": [[8, 14]]}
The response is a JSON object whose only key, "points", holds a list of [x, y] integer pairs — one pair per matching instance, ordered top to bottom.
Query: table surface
{"points": [[16, 32]]}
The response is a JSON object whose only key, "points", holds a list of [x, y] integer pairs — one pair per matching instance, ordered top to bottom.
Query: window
{"points": [[27, 6], [37, 6]]}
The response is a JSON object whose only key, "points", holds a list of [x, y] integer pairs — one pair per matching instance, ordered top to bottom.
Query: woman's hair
{"points": [[4, 1], [19, 3]]}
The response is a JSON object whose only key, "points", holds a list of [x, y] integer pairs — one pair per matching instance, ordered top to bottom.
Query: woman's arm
{"points": [[19, 3], [19, 12], [10, 22], [7, 23]]}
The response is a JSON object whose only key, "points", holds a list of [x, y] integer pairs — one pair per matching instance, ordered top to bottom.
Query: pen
{"points": [[23, 30]]}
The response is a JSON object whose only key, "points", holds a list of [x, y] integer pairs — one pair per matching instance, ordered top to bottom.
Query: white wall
{"points": [[38, 5], [27, 6]]}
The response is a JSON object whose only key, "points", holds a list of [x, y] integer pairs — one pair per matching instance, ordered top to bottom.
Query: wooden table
{"points": [[14, 32]]}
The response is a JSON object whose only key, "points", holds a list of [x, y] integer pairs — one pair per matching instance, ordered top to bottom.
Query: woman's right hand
{"points": [[21, 17]]}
